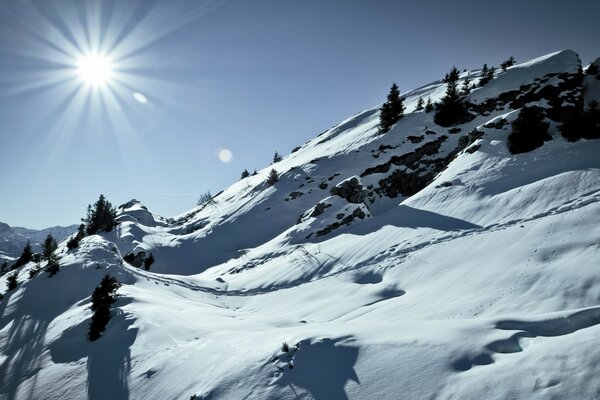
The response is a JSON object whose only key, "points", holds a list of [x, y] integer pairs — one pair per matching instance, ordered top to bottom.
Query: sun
{"points": [[95, 69]]}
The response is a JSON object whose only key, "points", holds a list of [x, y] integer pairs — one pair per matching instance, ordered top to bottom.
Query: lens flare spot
{"points": [[140, 98], [225, 155]]}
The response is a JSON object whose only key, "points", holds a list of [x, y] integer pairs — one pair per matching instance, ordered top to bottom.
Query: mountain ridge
{"points": [[428, 262]]}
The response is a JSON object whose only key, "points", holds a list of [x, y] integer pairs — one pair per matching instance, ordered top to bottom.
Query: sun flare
{"points": [[95, 69]]}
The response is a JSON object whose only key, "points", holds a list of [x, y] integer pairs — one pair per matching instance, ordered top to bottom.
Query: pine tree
{"points": [[508, 63], [486, 75], [466, 88], [420, 104], [429, 105], [451, 109], [392, 110], [582, 124], [529, 130], [276, 157], [254, 173], [245, 174], [273, 177], [206, 199], [102, 217], [74, 241], [49, 247], [26, 256], [53, 267], [11, 281], [103, 296]]}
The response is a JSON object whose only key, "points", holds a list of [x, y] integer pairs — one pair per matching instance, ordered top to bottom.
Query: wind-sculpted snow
{"points": [[426, 263]]}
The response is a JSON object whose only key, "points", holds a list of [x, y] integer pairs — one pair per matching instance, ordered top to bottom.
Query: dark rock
{"points": [[351, 190]]}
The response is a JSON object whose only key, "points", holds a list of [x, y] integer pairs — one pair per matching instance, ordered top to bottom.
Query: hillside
{"points": [[425, 263]]}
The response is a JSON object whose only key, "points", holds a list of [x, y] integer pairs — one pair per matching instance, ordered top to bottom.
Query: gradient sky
{"points": [[249, 76]]}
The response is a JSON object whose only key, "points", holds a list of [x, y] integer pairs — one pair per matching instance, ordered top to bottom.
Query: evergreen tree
{"points": [[508, 63], [483, 75], [486, 75], [466, 87], [420, 104], [429, 105], [451, 109], [392, 110], [582, 124], [529, 130], [276, 157], [254, 173], [245, 174], [273, 177], [206, 199], [101, 217], [74, 241], [49, 247], [26, 256], [53, 267], [11, 281], [103, 296]]}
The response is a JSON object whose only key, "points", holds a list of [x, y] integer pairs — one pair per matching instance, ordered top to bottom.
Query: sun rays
{"points": [[95, 63]]}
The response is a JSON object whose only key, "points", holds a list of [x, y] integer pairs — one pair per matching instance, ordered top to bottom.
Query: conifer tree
{"points": [[508, 63], [486, 74], [466, 88], [420, 104], [429, 105], [451, 109], [392, 110], [582, 124], [529, 130], [276, 157], [254, 173], [245, 174], [273, 177], [101, 217], [74, 241], [49, 247], [26, 256], [53, 267], [103, 296]]}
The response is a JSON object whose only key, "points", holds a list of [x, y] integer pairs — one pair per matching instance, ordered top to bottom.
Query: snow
{"points": [[483, 284]]}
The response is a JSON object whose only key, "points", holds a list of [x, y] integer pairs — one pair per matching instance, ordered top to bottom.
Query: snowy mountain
{"points": [[13, 239], [425, 263]]}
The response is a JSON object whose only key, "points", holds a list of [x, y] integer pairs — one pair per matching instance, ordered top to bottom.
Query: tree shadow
{"points": [[29, 318], [108, 358], [322, 368]]}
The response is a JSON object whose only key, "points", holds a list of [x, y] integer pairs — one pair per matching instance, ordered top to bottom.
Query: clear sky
{"points": [[135, 99]]}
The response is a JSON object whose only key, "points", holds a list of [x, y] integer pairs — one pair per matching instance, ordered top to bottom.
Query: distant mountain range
{"points": [[13, 239]]}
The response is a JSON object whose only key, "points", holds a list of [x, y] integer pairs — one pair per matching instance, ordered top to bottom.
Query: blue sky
{"points": [[249, 76]]}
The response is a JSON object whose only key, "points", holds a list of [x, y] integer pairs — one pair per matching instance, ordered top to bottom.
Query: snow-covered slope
{"points": [[426, 263]]}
